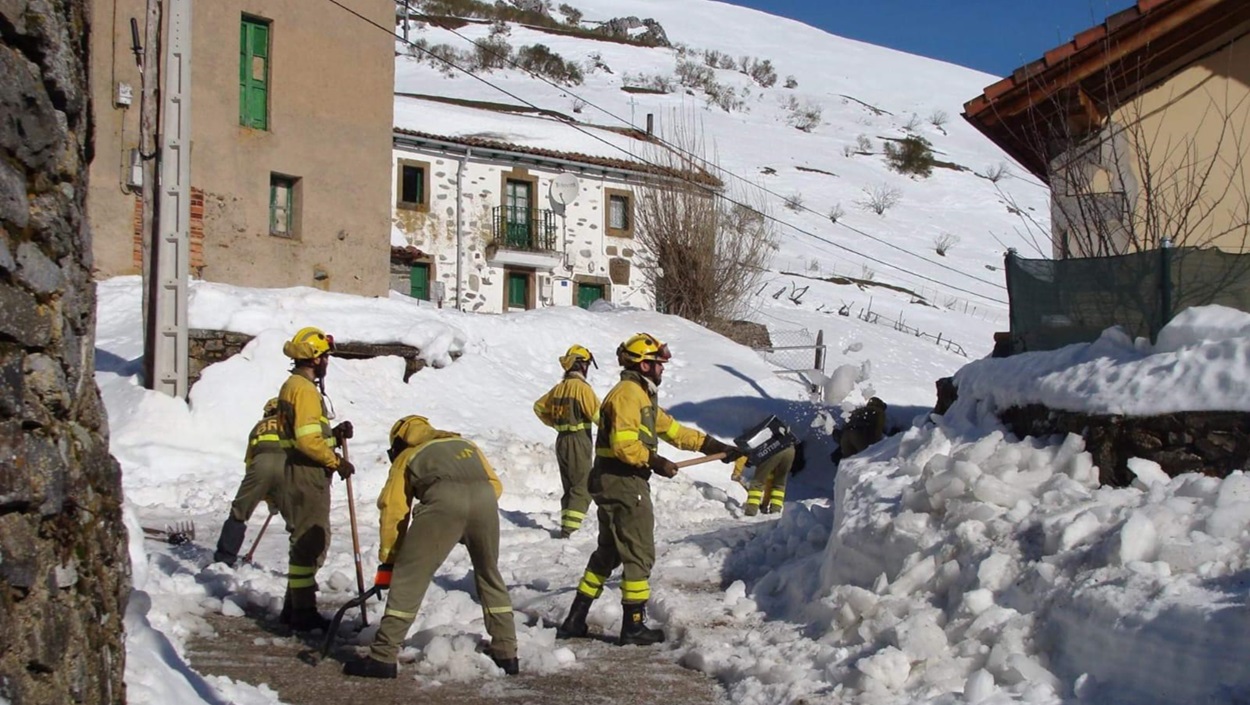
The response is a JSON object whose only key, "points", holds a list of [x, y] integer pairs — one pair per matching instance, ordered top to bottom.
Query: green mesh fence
{"points": [[1060, 302]]}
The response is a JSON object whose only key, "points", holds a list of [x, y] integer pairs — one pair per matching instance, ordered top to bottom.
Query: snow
{"points": [[950, 563]]}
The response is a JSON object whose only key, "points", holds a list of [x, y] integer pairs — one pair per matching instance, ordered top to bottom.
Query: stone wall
{"points": [[207, 347], [1210, 442], [64, 570]]}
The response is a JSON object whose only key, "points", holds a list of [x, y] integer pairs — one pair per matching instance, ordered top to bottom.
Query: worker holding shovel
{"points": [[631, 425], [458, 502]]}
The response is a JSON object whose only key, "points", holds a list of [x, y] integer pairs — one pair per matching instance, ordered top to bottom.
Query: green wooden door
{"points": [[254, 74], [518, 208], [419, 279], [518, 290], [587, 294]]}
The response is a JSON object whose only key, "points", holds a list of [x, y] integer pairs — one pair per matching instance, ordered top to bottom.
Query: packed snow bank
{"points": [[1200, 362], [969, 566]]}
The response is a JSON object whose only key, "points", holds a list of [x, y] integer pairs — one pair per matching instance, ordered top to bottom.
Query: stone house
{"points": [[1140, 126], [290, 136], [497, 211]]}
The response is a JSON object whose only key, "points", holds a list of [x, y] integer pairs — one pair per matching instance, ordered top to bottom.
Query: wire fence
{"points": [[820, 269], [800, 355]]}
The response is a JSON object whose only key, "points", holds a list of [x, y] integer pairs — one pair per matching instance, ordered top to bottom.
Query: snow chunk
{"points": [[1148, 472], [1138, 539], [887, 669]]}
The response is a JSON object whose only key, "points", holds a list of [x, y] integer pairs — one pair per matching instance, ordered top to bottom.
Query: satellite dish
{"points": [[564, 189]]}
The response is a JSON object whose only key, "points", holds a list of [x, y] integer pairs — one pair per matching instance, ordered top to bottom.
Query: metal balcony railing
{"points": [[525, 229]]}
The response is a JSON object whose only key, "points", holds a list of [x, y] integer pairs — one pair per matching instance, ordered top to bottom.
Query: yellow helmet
{"points": [[308, 344], [640, 347], [576, 354], [271, 407], [410, 430]]}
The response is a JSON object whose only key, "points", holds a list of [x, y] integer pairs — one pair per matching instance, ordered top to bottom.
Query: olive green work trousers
{"points": [[450, 511]]}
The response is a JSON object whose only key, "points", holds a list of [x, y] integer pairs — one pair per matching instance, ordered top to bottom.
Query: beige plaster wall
{"points": [[330, 118]]}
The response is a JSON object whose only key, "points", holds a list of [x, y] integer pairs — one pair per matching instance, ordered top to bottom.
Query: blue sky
{"points": [[994, 36]]}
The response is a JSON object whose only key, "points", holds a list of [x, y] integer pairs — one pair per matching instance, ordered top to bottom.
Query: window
{"points": [[254, 73], [411, 186], [282, 204], [517, 207], [619, 213], [420, 281]]}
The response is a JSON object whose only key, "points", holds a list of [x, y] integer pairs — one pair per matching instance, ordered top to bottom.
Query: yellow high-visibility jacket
{"points": [[570, 406], [302, 416], [631, 424], [266, 437], [435, 455]]}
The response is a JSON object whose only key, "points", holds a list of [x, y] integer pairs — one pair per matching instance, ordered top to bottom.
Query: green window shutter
{"points": [[254, 74], [419, 278], [518, 290], [587, 294]]}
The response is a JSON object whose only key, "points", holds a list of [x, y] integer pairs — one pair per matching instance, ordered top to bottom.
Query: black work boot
{"points": [[751, 509], [230, 542], [574, 625], [634, 629], [510, 666], [368, 668]]}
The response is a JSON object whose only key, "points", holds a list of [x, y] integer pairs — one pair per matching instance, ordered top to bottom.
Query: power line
{"points": [[390, 33], [706, 163]]}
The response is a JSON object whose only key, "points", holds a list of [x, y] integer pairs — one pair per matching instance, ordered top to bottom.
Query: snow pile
{"points": [[1199, 363], [967, 565]]}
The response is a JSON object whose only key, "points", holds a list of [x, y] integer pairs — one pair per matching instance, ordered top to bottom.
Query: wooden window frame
{"points": [[246, 57], [608, 195], [294, 201], [423, 205]]}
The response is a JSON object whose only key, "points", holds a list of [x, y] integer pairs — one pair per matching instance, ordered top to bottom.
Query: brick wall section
{"points": [[196, 245], [64, 570]]}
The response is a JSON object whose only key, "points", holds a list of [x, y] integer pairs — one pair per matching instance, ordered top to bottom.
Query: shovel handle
{"points": [[700, 461], [252, 551], [360, 573]]}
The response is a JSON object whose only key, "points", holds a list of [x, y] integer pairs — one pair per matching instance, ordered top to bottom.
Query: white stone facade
{"points": [[465, 208]]}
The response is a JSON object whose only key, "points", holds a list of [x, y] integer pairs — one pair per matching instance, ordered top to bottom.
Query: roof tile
{"points": [[1089, 36], [1059, 53], [998, 88]]}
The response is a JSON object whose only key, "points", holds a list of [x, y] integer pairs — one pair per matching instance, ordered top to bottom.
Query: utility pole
{"points": [[149, 76], [171, 247]]}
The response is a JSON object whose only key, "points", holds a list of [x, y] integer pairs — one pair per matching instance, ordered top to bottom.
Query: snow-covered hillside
{"points": [[864, 95]]}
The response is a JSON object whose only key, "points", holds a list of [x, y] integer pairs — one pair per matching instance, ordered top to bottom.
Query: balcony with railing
{"points": [[525, 237]]}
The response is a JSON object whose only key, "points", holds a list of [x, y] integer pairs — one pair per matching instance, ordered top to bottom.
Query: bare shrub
{"points": [[572, 15], [492, 53], [544, 62], [595, 62], [762, 72], [694, 75], [791, 82], [658, 83], [724, 97], [579, 104], [805, 115], [938, 118], [912, 124], [864, 144], [848, 150], [910, 155], [996, 172], [880, 199], [794, 202], [836, 212], [944, 242], [703, 254], [867, 273]]}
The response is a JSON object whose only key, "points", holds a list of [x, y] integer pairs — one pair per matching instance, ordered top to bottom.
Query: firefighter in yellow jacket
{"points": [[570, 408], [631, 426], [311, 463], [263, 480], [458, 493]]}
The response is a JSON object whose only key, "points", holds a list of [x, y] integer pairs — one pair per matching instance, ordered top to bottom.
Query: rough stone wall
{"points": [[207, 347], [1210, 442], [64, 570]]}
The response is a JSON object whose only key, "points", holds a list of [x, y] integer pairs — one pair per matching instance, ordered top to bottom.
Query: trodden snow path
{"points": [[250, 650]]}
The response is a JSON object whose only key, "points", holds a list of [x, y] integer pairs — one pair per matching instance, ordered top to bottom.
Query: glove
{"points": [[343, 431], [712, 446], [662, 466], [345, 468], [383, 578]]}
